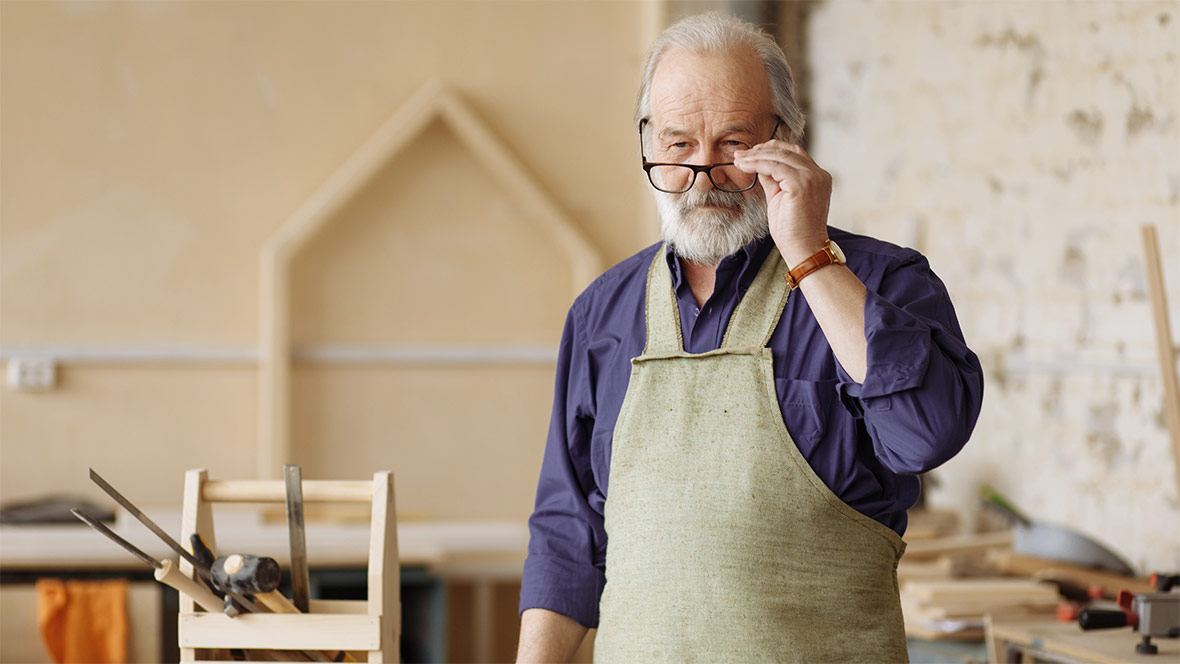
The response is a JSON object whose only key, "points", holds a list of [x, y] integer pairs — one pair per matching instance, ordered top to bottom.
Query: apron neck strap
{"points": [[663, 313], [757, 314], [751, 325]]}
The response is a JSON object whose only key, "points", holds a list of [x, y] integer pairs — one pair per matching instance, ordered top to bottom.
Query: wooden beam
{"points": [[432, 101], [511, 174], [1163, 337], [272, 491], [933, 548], [1009, 562], [384, 578], [307, 631]]}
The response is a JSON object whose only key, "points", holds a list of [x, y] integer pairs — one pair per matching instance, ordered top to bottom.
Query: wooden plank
{"points": [[500, 163], [1163, 337], [274, 491], [196, 516], [932, 548], [1010, 562], [940, 568], [384, 582], [985, 589], [340, 606], [975, 609], [308, 631], [930, 631], [1067, 639], [993, 644], [272, 656]]}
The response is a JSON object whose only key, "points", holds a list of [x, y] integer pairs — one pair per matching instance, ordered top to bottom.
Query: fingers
{"points": [[780, 148], [777, 151], [786, 168], [776, 170]]}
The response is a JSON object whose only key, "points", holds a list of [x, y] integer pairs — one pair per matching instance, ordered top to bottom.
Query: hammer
{"points": [[248, 574]]}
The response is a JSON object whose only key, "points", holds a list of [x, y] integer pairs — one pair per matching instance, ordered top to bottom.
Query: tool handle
{"points": [[271, 491], [992, 498], [169, 575], [1165, 582], [276, 602], [1101, 619]]}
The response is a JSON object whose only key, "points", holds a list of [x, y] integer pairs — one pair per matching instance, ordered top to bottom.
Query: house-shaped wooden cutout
{"points": [[433, 101]]}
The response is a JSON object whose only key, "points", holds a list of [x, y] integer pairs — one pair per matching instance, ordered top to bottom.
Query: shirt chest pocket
{"points": [[806, 407]]}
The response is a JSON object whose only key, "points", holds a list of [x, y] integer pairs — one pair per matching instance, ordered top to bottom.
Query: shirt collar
{"points": [[750, 256]]}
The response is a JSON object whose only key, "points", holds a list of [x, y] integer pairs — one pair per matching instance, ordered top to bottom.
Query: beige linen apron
{"points": [[722, 544]]}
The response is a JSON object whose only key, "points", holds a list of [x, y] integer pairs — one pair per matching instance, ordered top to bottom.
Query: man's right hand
{"points": [[546, 636]]}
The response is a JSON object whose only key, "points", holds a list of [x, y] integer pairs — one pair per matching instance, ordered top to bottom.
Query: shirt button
{"points": [[696, 311]]}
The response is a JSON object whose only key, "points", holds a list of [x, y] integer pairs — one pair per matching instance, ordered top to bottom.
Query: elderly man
{"points": [[740, 410]]}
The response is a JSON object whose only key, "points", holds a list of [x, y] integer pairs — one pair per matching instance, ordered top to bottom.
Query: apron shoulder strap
{"points": [[662, 312], [757, 314]]}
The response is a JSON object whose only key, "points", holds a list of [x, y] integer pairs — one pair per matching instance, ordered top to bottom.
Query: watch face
{"points": [[837, 250]]}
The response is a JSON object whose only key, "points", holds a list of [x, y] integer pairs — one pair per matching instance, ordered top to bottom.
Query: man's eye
{"points": [[681, 145]]}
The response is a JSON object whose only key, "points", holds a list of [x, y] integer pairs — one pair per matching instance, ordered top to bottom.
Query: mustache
{"points": [[694, 198]]}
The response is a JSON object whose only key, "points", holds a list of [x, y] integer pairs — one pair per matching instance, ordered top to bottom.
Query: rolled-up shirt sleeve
{"points": [[924, 387], [567, 543]]}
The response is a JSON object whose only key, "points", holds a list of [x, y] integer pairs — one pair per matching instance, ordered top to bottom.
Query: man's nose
{"points": [[708, 156], [701, 179], [702, 182]]}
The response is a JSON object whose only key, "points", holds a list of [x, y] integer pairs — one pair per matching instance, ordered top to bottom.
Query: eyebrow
{"points": [[735, 128]]}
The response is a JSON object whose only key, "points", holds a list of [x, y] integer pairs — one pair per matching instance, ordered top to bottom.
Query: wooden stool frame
{"points": [[369, 629]]}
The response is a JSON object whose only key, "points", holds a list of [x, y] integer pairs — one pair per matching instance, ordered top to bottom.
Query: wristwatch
{"points": [[829, 255]]}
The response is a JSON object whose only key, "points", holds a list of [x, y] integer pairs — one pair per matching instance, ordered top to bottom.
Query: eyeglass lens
{"points": [[677, 179]]}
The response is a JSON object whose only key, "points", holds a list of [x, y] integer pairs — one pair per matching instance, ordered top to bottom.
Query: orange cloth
{"points": [[83, 621]]}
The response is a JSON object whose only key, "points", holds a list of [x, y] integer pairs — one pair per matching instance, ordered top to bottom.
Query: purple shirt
{"points": [[866, 441]]}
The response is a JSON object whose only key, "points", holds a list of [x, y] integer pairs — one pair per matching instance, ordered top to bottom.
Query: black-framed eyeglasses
{"points": [[678, 178]]}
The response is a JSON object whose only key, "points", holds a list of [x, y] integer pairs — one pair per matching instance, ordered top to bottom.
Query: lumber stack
{"points": [[1104, 583], [955, 608]]}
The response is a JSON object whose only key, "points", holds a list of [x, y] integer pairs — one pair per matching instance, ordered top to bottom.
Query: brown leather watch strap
{"points": [[821, 258]]}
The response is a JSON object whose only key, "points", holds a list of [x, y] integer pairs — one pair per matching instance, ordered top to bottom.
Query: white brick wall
{"points": [[1020, 145]]}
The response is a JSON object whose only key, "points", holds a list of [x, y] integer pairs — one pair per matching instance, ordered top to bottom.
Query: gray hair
{"points": [[717, 33]]}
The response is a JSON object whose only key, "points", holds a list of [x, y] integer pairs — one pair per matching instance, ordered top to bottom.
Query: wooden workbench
{"points": [[1050, 639]]}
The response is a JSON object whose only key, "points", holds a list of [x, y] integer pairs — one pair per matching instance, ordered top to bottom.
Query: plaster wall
{"points": [[1020, 146]]}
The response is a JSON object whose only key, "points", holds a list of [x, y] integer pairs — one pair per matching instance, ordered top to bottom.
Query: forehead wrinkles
{"points": [[691, 86], [721, 105]]}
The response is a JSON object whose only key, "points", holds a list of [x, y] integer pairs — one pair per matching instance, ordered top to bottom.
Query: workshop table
{"points": [[1012, 639]]}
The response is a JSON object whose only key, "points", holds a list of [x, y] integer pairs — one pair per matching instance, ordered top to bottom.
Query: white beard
{"points": [[707, 236]]}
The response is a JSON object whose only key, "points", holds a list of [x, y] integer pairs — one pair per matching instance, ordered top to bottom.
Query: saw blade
{"points": [[110, 534]]}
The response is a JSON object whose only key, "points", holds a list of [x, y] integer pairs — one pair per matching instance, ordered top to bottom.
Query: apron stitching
{"points": [[655, 278], [843, 508]]}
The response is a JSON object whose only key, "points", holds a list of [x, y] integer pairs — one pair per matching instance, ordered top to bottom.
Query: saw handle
{"points": [[169, 575], [1101, 619]]}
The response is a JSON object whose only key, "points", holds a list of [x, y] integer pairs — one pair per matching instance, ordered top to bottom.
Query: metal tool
{"points": [[297, 534], [1047, 540], [201, 550], [201, 569], [204, 569], [165, 571], [246, 574], [255, 576], [1150, 614]]}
